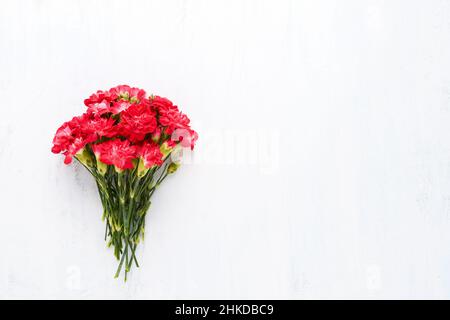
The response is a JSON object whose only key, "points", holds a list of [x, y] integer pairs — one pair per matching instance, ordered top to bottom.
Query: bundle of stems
{"points": [[126, 198]]}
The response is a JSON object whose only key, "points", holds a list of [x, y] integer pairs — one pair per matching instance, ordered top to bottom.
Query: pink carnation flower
{"points": [[124, 92], [99, 97], [120, 106], [99, 108], [169, 115], [137, 121], [97, 126], [186, 137], [69, 139], [116, 152], [151, 154]]}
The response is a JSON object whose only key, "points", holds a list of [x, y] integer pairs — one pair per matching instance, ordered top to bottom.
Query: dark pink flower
{"points": [[125, 92], [99, 97], [161, 104], [120, 106], [99, 108], [168, 115], [137, 121], [97, 126], [69, 139], [116, 152], [151, 154]]}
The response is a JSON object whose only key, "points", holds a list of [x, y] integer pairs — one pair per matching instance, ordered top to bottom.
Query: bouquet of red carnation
{"points": [[126, 140]]}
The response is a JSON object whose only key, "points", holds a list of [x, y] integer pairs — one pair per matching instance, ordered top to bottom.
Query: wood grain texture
{"points": [[322, 168]]}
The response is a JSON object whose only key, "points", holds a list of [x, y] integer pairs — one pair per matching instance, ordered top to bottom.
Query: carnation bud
{"points": [[124, 96], [134, 100], [156, 135], [165, 149], [177, 154], [84, 157], [101, 167], [173, 167], [118, 170], [141, 170]]}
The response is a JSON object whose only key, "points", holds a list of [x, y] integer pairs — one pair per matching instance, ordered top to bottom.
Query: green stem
{"points": [[121, 261]]}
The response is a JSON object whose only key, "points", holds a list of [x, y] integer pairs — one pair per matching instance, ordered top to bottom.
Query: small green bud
{"points": [[124, 96], [134, 100], [156, 136], [165, 149], [177, 154], [84, 157], [101, 167], [172, 167], [141, 170], [111, 223]]}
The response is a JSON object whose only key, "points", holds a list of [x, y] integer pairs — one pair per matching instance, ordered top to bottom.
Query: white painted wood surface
{"points": [[322, 168]]}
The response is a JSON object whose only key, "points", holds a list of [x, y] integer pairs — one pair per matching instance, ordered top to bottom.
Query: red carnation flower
{"points": [[124, 92], [99, 97], [160, 103], [120, 106], [99, 108], [169, 115], [173, 119], [137, 121], [97, 126], [73, 135], [63, 138], [69, 139], [73, 148], [116, 152], [151, 154]]}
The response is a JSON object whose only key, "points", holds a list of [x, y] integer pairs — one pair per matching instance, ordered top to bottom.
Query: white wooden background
{"points": [[322, 168]]}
